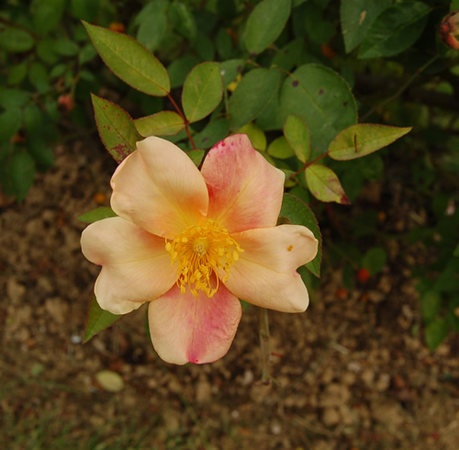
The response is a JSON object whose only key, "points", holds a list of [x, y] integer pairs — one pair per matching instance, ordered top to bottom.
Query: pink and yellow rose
{"points": [[192, 243]]}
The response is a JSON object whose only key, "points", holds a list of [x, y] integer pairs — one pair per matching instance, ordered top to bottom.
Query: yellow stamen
{"points": [[204, 254]]}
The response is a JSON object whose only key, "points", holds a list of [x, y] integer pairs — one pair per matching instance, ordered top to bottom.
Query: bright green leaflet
{"points": [[130, 61]]}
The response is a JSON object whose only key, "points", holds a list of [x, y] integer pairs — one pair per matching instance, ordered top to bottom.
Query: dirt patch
{"points": [[350, 373]]}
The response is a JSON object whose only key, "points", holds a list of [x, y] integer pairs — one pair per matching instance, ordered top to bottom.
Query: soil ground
{"points": [[350, 373]]}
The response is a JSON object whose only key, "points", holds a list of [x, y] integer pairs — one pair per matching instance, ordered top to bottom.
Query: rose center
{"points": [[204, 254]]}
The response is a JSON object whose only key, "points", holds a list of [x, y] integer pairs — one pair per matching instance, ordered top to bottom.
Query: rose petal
{"points": [[159, 188], [245, 191], [135, 265], [265, 275], [184, 328]]}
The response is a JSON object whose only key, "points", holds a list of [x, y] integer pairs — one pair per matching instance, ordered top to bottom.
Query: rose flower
{"points": [[192, 243]]}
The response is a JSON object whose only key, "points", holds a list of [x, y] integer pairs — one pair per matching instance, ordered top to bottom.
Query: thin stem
{"points": [[401, 89], [185, 121], [307, 164], [263, 333]]}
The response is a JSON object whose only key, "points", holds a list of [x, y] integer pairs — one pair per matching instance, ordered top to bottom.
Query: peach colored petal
{"points": [[159, 188], [245, 191], [135, 265], [265, 275], [184, 328]]}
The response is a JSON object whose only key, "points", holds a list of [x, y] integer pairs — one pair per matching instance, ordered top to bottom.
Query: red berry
{"points": [[363, 275]]}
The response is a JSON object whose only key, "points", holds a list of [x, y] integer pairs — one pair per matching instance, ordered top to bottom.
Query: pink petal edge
{"points": [[245, 191], [184, 328]]}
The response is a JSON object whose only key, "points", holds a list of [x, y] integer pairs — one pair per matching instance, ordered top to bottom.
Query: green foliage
{"points": [[265, 24], [130, 61], [44, 75], [319, 89], [202, 91], [252, 96], [322, 98], [308, 108], [162, 123], [116, 128], [298, 136], [362, 139], [324, 184], [102, 212], [439, 282], [98, 320]]}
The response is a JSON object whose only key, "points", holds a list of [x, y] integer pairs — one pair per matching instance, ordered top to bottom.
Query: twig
{"points": [[263, 333]]}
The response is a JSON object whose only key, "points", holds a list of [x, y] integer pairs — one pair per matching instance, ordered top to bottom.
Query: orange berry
{"points": [[118, 27], [100, 198], [342, 293]]}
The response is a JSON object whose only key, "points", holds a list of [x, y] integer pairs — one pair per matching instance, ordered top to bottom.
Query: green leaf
{"points": [[84, 9], [46, 14], [356, 18], [183, 19], [152, 23], [265, 24], [318, 27], [395, 30], [15, 40], [224, 44], [65, 47], [204, 47], [46, 51], [86, 54], [290, 56], [130, 61], [179, 69], [230, 69], [17, 73], [38, 76], [202, 91], [252, 95], [12, 98], [322, 99], [271, 116], [34, 120], [10, 122], [163, 123], [116, 128], [213, 132], [256, 135], [298, 137], [362, 139], [279, 148], [42, 153], [196, 156], [18, 173], [325, 185], [102, 212], [297, 212], [374, 260], [430, 305], [98, 320], [435, 333]]}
